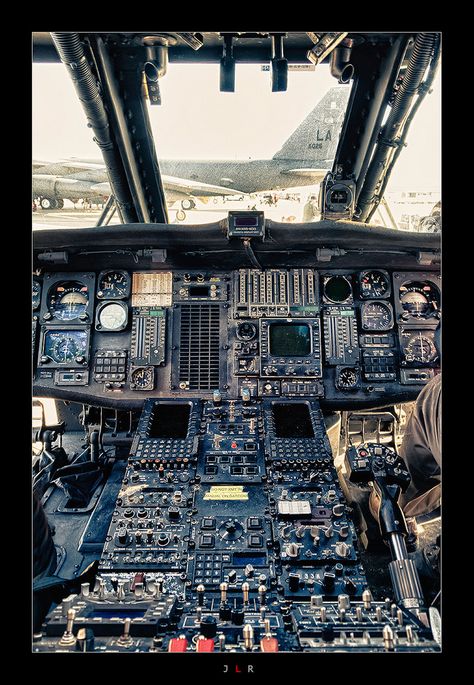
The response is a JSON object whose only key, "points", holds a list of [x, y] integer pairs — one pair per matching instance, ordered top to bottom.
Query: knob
{"points": [[245, 394], [173, 513], [343, 531], [122, 535], [163, 538], [292, 550], [232, 576], [329, 580], [294, 582], [367, 599], [343, 601], [225, 612], [238, 616], [208, 627], [248, 636]]}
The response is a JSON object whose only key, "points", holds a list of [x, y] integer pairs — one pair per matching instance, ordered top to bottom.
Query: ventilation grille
{"points": [[199, 346]]}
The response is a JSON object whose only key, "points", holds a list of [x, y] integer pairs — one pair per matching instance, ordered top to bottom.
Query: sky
{"points": [[197, 121]]}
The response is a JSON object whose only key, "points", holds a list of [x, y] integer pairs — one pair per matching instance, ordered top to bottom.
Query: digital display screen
{"points": [[246, 221], [199, 291], [290, 340], [292, 420], [170, 421], [243, 558], [114, 613]]}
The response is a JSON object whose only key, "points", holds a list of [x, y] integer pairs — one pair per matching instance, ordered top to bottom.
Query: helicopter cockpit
{"points": [[236, 343]]}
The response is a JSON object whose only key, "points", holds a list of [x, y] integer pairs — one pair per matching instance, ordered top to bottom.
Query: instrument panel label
{"points": [[227, 492]]}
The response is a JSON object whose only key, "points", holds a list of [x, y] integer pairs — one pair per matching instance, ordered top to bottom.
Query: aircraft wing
{"points": [[316, 174], [76, 179], [183, 187]]}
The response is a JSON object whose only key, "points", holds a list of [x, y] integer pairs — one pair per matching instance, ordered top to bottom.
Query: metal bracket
{"points": [[325, 254], [54, 257], [427, 258]]}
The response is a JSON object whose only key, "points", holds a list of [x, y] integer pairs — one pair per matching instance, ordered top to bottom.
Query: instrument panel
{"points": [[335, 334]]}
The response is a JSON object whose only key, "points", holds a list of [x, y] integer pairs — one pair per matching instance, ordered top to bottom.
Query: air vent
{"points": [[199, 346]]}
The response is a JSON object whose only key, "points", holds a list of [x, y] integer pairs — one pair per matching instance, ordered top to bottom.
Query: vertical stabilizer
{"points": [[315, 140]]}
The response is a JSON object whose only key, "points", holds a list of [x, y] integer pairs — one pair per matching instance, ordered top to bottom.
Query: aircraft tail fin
{"points": [[315, 140]]}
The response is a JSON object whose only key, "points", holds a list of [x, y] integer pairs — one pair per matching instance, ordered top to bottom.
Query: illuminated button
{"points": [[254, 523], [208, 524], [255, 541]]}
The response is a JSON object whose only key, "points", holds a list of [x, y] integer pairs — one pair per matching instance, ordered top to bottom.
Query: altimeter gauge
{"points": [[376, 316]]}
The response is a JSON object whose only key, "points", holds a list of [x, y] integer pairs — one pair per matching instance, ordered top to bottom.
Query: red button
{"points": [[233, 445], [177, 644], [269, 644], [204, 645]]}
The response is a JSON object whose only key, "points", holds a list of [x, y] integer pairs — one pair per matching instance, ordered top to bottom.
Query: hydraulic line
{"points": [[71, 53], [419, 60]]}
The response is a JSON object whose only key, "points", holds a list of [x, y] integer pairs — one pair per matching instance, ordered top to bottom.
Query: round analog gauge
{"points": [[374, 284], [113, 285], [337, 289], [36, 294], [419, 299], [68, 300], [376, 316], [112, 317], [246, 331], [64, 347], [420, 348], [142, 378], [347, 378]]}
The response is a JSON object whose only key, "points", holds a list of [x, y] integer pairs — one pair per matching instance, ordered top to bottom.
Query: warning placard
{"points": [[226, 492]]}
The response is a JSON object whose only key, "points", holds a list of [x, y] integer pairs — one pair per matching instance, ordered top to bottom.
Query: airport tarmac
{"points": [[77, 217]]}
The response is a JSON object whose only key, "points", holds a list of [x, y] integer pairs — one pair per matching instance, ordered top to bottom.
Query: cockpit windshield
{"points": [[221, 151]]}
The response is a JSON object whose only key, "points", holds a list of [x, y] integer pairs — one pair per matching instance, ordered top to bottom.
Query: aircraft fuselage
{"points": [[247, 176]]}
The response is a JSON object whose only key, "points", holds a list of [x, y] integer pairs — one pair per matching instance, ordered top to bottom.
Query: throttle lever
{"points": [[385, 470]]}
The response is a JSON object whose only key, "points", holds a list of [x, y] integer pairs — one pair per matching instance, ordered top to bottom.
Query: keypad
{"points": [[110, 365], [379, 365]]}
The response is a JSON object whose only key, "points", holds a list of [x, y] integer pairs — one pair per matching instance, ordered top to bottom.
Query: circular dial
{"points": [[374, 284], [113, 285], [337, 289], [36, 294], [419, 299], [68, 300], [376, 316], [113, 317], [246, 331], [63, 347], [420, 348], [142, 378], [347, 378], [230, 530]]}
